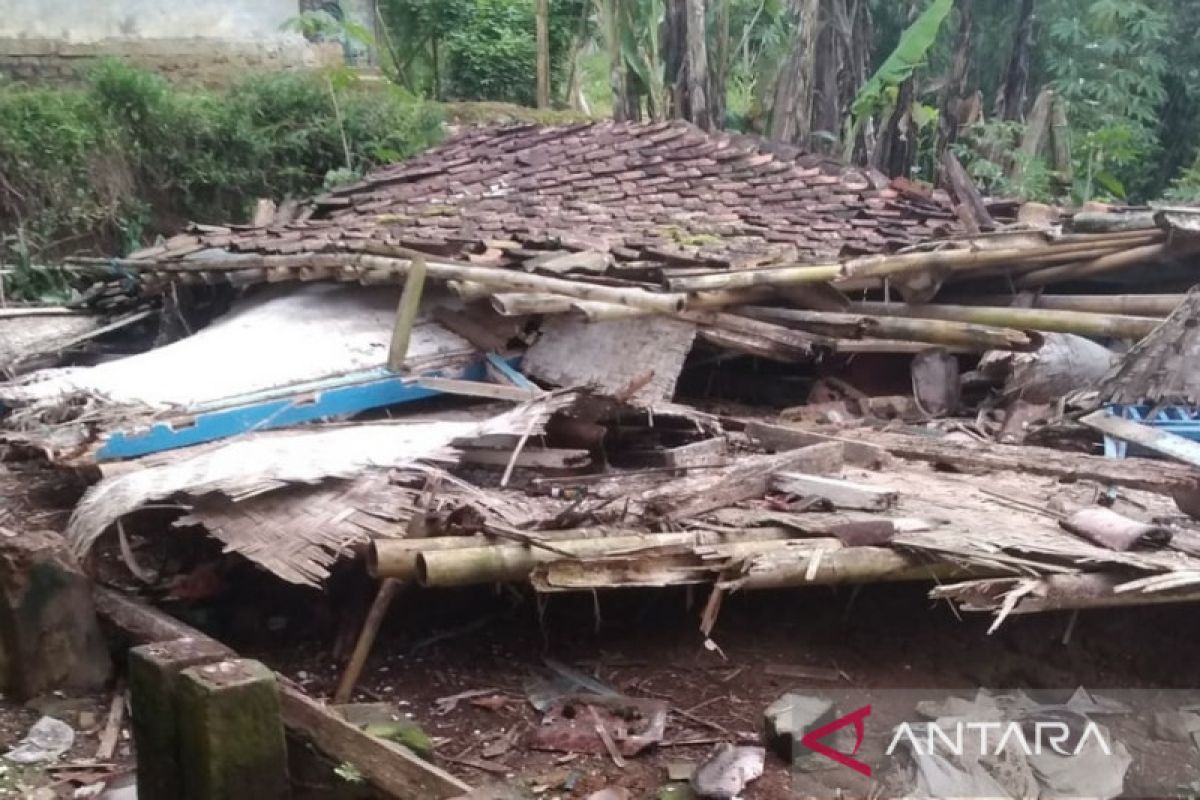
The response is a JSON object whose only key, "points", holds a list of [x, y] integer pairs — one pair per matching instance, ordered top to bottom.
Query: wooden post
{"points": [[543, 53], [406, 314], [50, 639], [153, 681], [231, 733]]}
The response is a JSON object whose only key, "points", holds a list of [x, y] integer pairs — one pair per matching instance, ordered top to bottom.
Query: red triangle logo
{"points": [[812, 740]]}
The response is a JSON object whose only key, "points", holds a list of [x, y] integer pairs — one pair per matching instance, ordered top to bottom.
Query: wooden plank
{"points": [[406, 314], [491, 391], [783, 437], [1161, 442], [547, 458], [1132, 473], [744, 480], [843, 494], [386, 766]]}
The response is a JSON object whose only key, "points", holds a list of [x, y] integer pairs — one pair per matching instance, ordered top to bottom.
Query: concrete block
{"points": [[231, 733]]}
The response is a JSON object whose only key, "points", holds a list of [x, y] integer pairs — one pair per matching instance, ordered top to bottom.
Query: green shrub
{"points": [[128, 155]]}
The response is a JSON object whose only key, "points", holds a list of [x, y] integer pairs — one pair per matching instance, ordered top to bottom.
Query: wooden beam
{"points": [[491, 391], [784, 437], [1161, 442], [842, 494], [385, 765]]}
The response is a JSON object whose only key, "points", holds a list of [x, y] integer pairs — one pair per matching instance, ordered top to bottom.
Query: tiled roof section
{"points": [[665, 192]]}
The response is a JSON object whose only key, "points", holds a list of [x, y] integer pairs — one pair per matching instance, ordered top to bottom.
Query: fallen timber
{"points": [[959, 260], [1136, 305], [1048, 320], [385, 765]]}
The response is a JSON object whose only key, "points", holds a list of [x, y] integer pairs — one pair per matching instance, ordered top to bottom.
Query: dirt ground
{"points": [[646, 644]]}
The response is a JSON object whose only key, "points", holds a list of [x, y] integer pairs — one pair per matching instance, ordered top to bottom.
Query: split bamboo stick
{"points": [[1141, 305], [1036, 319], [978, 338]]}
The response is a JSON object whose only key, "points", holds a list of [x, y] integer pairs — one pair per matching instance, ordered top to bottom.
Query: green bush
{"points": [[126, 155]]}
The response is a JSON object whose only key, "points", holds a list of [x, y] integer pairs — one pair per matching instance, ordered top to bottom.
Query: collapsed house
{"points": [[519, 419]]}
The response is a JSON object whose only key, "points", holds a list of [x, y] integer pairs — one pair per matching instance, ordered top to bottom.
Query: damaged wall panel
{"points": [[636, 360]]}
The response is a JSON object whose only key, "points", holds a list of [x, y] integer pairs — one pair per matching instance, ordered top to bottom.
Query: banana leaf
{"points": [[909, 54]]}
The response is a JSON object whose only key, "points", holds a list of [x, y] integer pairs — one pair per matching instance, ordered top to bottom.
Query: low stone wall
{"points": [[197, 60]]}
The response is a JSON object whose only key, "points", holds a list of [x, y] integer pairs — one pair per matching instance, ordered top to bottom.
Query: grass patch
{"points": [[108, 164]]}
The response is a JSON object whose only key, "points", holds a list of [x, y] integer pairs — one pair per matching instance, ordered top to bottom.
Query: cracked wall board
{"points": [[639, 360]]}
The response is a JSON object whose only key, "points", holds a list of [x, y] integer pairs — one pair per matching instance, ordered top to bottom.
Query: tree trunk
{"points": [[674, 49], [543, 53], [616, 62], [697, 65], [719, 73], [956, 84], [1010, 104], [792, 110], [896, 148]]}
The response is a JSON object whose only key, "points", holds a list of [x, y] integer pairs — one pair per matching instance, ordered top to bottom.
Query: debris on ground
{"points": [[48, 739], [727, 772]]}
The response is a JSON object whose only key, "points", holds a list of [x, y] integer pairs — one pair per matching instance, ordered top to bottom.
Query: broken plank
{"points": [[491, 391], [784, 437], [1160, 441], [712, 452], [544, 458], [1132, 473], [744, 480], [842, 494], [383, 764], [387, 765]]}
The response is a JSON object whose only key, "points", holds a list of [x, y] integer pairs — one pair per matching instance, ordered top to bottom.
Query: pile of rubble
{"points": [[869, 368]]}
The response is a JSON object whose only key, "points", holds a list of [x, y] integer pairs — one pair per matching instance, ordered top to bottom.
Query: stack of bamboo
{"points": [[974, 294]]}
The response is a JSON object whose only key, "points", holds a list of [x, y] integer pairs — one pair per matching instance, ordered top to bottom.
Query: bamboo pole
{"points": [[383, 264], [888, 265], [1097, 266], [523, 304], [1141, 305], [406, 315], [1037, 319], [977, 338], [397, 558], [508, 563], [852, 565]]}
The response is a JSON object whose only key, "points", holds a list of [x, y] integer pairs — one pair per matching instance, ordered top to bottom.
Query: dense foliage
{"points": [[474, 49], [127, 154]]}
